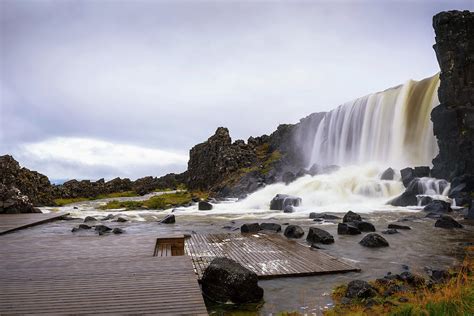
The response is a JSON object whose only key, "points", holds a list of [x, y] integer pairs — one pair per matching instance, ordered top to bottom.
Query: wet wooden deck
{"points": [[13, 222], [268, 255], [94, 275]]}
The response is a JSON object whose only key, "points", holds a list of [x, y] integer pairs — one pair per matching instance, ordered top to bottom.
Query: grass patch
{"points": [[162, 201], [62, 202], [453, 298]]}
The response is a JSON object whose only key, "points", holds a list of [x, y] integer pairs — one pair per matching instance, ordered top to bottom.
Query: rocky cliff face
{"points": [[453, 119], [215, 159], [238, 168], [30, 183]]}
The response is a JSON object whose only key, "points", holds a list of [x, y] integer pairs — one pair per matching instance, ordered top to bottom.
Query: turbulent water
{"points": [[392, 127], [364, 137]]}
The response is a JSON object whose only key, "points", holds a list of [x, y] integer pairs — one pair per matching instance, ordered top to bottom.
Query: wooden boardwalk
{"points": [[12, 222], [268, 255], [94, 275]]}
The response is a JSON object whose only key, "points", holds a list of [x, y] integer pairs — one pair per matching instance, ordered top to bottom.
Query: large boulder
{"points": [[422, 171], [388, 174], [407, 174], [409, 196], [281, 200], [12, 201], [204, 206], [438, 206], [351, 217], [169, 219], [448, 222], [364, 226], [271, 227], [250, 228], [347, 229], [294, 231], [316, 235], [374, 240], [225, 280], [360, 289]]}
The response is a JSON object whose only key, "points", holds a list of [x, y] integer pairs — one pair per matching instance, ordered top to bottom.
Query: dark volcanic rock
{"points": [[453, 119], [216, 158], [421, 172], [388, 174], [407, 174], [288, 177], [32, 184], [408, 198], [281, 200], [425, 200], [12, 201], [204, 206], [438, 206], [289, 209], [314, 215], [351, 217], [89, 219], [121, 219], [169, 219], [446, 221], [364, 226], [396, 226], [271, 227], [250, 228], [101, 229], [347, 229], [118, 231], [294, 231], [316, 235], [373, 240], [226, 280], [360, 289]]}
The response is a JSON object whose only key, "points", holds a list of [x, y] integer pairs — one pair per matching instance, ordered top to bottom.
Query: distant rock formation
{"points": [[453, 119], [38, 191]]}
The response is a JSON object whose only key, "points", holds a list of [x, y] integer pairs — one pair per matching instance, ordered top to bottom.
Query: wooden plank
{"points": [[13, 222], [268, 255], [95, 275]]}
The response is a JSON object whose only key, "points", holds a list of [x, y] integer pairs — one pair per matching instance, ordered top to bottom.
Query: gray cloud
{"points": [[165, 74]]}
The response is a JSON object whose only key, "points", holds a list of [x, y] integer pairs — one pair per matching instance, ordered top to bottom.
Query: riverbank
{"points": [[422, 246]]}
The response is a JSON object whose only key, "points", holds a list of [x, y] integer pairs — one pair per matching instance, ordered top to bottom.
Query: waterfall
{"points": [[391, 127]]}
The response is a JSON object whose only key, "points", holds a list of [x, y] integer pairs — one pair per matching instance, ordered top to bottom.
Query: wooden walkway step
{"points": [[12, 222], [268, 255], [94, 275]]}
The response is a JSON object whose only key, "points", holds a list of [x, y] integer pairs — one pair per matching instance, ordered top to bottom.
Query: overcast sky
{"points": [[93, 89]]}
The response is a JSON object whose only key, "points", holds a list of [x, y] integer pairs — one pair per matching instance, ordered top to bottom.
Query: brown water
{"points": [[423, 245]]}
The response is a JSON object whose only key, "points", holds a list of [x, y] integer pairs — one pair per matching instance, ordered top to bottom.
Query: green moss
{"points": [[116, 195], [162, 201], [62, 202]]}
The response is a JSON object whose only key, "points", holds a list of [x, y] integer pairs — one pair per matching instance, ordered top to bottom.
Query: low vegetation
{"points": [[162, 201], [62, 202], [453, 298]]}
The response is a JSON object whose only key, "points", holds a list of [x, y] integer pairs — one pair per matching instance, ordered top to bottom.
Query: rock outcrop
{"points": [[453, 119], [32, 184], [12, 201], [225, 280]]}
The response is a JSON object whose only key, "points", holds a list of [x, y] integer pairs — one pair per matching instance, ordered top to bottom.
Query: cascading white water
{"points": [[392, 127]]}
